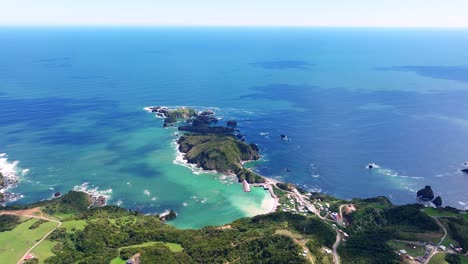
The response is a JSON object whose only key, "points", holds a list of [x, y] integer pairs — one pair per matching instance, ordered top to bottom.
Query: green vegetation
{"points": [[181, 113], [223, 153], [67, 205], [445, 212], [9, 222], [37, 223], [74, 225], [373, 226], [458, 228], [102, 235], [112, 235], [248, 241], [16, 242], [172, 246], [44, 250], [413, 251], [438, 259]]}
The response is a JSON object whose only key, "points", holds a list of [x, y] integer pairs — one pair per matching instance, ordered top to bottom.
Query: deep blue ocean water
{"points": [[71, 104]]}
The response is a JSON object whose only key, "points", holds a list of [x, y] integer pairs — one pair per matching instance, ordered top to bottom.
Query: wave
{"points": [[179, 160], [392, 173], [12, 174], [94, 192]]}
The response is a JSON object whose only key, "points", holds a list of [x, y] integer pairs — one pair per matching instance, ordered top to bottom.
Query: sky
{"points": [[333, 13]]}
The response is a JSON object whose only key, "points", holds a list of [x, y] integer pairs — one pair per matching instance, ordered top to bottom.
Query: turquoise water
{"points": [[72, 101]]}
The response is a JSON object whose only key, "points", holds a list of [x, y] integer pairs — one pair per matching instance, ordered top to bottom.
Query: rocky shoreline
{"points": [[9, 178]]}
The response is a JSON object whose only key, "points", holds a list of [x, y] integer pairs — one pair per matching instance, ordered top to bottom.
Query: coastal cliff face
{"points": [[222, 153]]}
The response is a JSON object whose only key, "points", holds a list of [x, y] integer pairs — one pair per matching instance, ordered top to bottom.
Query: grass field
{"points": [[441, 213], [74, 225], [426, 237], [14, 243], [172, 246], [44, 250], [414, 252], [438, 259], [118, 261]]}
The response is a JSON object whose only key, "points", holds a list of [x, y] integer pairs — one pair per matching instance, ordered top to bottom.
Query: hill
{"points": [[222, 153]]}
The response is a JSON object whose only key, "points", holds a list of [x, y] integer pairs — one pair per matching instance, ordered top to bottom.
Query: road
{"points": [[312, 208], [30, 213], [436, 249], [336, 257]]}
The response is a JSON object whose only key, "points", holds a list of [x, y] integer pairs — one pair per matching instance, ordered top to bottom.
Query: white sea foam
{"points": [[179, 160], [392, 173], [12, 174], [93, 191], [147, 192], [154, 198], [185, 204]]}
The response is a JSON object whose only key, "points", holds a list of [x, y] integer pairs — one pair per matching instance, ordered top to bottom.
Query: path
{"points": [[312, 208], [31, 214], [298, 242], [436, 249], [336, 257]]}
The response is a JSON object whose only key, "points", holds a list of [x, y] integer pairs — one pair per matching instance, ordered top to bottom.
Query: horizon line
{"points": [[223, 26]]}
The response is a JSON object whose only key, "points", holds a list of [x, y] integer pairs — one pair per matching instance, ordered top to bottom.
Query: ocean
{"points": [[72, 102]]}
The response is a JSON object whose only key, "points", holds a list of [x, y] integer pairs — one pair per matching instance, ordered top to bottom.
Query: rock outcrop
{"points": [[426, 194], [437, 201]]}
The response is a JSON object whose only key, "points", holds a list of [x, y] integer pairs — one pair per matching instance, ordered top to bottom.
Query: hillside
{"points": [[222, 153], [111, 234]]}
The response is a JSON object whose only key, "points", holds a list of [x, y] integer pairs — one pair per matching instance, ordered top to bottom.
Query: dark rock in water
{"points": [[207, 112], [204, 121], [231, 123], [284, 137], [254, 147], [287, 170], [465, 170], [2, 181], [57, 194], [426, 194], [437, 201], [172, 215]]}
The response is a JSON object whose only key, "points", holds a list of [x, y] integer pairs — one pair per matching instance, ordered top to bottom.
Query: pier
{"points": [[245, 186]]}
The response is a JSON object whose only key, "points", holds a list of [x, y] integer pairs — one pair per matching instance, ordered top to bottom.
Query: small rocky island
{"points": [[209, 145], [427, 195]]}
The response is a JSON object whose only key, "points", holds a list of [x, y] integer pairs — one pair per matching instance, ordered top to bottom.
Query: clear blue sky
{"points": [[377, 13]]}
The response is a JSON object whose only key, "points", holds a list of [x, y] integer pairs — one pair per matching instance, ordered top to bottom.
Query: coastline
{"points": [[269, 203]]}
